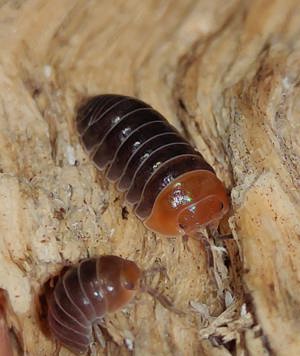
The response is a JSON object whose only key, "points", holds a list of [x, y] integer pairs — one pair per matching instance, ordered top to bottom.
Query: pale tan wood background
{"points": [[227, 74]]}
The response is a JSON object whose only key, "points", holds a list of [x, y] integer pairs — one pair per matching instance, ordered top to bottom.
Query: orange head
{"points": [[193, 200], [130, 276]]}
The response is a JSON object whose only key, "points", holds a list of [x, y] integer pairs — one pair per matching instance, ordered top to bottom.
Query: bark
{"points": [[227, 75]]}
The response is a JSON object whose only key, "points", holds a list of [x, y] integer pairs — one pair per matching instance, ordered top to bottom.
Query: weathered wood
{"points": [[227, 75]]}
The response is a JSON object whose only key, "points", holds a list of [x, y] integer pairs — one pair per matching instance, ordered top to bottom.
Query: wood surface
{"points": [[227, 75]]}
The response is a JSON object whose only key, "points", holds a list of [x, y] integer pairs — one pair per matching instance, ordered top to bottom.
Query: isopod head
{"points": [[195, 199], [130, 276], [121, 279]]}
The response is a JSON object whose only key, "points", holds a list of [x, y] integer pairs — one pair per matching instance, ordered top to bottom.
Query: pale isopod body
{"points": [[172, 189], [85, 293]]}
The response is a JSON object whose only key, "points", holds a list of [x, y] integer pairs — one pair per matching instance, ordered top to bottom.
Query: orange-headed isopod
{"points": [[171, 187], [89, 290], [85, 293]]}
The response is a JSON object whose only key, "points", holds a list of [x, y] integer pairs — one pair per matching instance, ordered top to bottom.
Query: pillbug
{"points": [[171, 187], [87, 291]]}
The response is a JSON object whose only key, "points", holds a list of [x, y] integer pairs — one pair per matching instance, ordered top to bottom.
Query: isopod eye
{"points": [[130, 275], [128, 285]]}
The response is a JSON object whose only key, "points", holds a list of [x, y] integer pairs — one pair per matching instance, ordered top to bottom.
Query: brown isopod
{"points": [[171, 187], [86, 292]]}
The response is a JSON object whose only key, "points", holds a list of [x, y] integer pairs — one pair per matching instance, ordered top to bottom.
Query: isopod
{"points": [[170, 186], [91, 289], [85, 293]]}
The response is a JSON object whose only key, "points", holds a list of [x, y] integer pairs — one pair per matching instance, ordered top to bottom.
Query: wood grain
{"points": [[227, 75]]}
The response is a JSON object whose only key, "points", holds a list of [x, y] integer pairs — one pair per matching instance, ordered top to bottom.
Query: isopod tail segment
{"points": [[170, 186], [85, 293]]}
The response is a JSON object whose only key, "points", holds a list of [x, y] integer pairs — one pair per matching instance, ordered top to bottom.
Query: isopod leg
{"points": [[198, 236], [216, 236], [225, 237], [185, 239], [211, 252], [153, 270], [164, 301], [98, 333], [57, 348], [93, 351]]}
